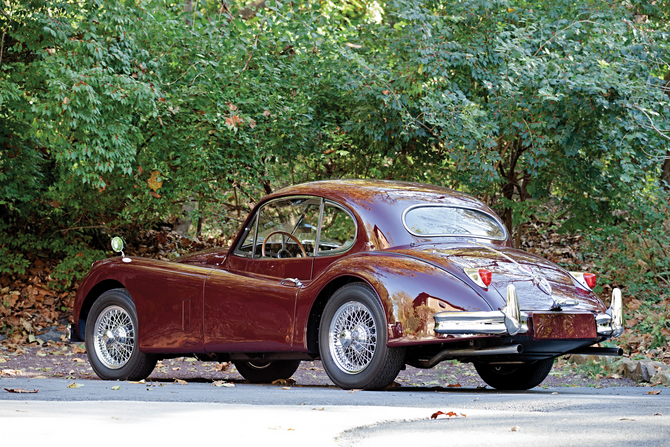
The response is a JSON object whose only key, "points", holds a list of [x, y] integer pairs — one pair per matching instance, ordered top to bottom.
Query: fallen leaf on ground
{"points": [[78, 350], [78, 360], [223, 366], [10, 372], [181, 382], [283, 382], [220, 383], [74, 385], [455, 385], [117, 387], [286, 388], [19, 390], [654, 392], [657, 414], [448, 415], [626, 419], [515, 428]]}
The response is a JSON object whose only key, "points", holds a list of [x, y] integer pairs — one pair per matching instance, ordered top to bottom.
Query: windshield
{"points": [[443, 220]]}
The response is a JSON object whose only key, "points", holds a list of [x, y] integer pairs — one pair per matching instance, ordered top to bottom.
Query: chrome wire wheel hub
{"points": [[114, 337], [352, 337]]}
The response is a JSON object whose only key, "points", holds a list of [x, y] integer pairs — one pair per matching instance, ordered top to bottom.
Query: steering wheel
{"points": [[302, 249]]}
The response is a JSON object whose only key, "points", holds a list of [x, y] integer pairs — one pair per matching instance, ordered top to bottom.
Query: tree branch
{"points": [[4, 31], [559, 32], [246, 65], [653, 126]]}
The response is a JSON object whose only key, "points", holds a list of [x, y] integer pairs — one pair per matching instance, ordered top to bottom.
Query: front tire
{"points": [[111, 339], [352, 341], [267, 372], [515, 377]]}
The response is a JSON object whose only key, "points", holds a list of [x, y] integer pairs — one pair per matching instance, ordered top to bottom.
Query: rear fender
{"points": [[410, 290]]}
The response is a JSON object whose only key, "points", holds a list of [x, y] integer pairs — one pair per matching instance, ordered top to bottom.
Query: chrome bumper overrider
{"points": [[511, 321], [612, 322]]}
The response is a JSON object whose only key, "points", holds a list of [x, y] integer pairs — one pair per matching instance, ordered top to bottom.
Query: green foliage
{"points": [[514, 102], [118, 114], [635, 251]]}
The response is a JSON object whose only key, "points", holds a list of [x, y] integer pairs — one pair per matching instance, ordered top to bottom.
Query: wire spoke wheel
{"points": [[111, 337], [114, 337], [353, 337], [352, 340]]}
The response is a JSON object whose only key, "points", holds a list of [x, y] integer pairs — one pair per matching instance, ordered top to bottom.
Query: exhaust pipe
{"points": [[614, 352], [455, 353]]}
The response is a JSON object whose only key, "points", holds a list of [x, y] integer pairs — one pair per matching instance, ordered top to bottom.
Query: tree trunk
{"points": [[188, 5], [665, 174]]}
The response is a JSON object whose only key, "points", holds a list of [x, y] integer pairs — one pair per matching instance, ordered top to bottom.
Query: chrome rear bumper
{"points": [[511, 321]]}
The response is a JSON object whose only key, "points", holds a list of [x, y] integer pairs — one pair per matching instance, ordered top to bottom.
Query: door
{"points": [[250, 304]]}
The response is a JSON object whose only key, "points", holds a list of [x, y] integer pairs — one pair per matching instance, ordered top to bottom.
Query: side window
{"points": [[287, 228], [338, 230]]}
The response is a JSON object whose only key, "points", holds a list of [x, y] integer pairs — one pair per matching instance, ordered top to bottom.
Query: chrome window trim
{"points": [[439, 205], [257, 220], [318, 242]]}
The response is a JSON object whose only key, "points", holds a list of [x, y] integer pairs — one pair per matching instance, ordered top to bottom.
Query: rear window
{"points": [[443, 220]]}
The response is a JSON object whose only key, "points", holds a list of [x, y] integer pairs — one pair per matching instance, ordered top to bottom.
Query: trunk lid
{"points": [[529, 273]]}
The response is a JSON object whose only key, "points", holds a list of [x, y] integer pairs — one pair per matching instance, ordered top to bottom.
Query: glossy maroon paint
{"points": [[167, 296], [217, 301]]}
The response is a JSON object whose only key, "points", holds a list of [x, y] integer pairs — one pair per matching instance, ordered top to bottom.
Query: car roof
{"points": [[367, 193], [380, 204]]}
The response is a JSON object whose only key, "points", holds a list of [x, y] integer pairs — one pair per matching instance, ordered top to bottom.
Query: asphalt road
{"points": [[172, 414]]}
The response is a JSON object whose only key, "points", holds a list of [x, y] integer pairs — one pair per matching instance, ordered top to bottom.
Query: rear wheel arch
{"points": [[314, 320]]}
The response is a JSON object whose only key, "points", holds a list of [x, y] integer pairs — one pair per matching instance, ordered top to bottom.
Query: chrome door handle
{"points": [[296, 282]]}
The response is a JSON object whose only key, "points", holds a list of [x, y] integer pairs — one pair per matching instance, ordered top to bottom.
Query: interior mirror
{"points": [[117, 244]]}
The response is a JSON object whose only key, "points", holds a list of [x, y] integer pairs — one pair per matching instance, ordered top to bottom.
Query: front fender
{"points": [[411, 291], [168, 298]]}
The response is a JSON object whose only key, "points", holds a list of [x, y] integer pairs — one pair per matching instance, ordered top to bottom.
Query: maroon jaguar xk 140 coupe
{"points": [[368, 276]]}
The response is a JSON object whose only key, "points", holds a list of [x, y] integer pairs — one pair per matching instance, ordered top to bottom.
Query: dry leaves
{"points": [[78, 350], [180, 382], [223, 383], [19, 390], [654, 392], [448, 415], [515, 428]]}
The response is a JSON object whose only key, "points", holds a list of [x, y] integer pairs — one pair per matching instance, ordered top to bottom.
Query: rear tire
{"points": [[111, 339], [352, 340], [267, 372], [515, 377]]}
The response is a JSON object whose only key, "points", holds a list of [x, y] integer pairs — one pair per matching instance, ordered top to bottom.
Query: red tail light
{"points": [[485, 275], [590, 280]]}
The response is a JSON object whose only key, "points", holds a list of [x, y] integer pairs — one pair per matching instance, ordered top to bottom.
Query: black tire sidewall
{"points": [[121, 298], [275, 370], [373, 376], [523, 377]]}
